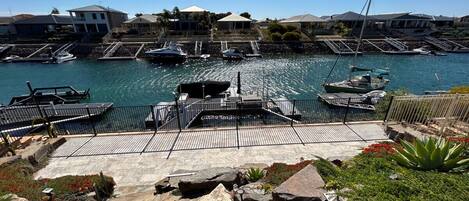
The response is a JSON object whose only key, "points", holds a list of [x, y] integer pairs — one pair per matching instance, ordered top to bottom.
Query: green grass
{"points": [[17, 178], [368, 178]]}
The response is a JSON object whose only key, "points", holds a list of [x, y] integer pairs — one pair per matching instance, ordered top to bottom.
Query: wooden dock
{"points": [[288, 108]]}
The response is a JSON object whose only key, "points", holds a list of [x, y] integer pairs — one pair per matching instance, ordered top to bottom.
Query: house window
{"points": [[82, 15], [94, 16], [102, 16]]}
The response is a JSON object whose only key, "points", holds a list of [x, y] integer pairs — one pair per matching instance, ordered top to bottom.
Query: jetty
{"points": [[5, 47], [339, 47], [45, 95], [287, 108], [18, 116]]}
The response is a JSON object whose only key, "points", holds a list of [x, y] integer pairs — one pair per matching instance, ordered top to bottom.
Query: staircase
{"points": [[439, 43], [397, 44], [224, 45], [254, 47], [339, 47], [65, 48], [198, 48], [113, 50], [37, 51]]}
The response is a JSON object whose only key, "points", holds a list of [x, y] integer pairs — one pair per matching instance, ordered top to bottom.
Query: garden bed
{"points": [[17, 178]]}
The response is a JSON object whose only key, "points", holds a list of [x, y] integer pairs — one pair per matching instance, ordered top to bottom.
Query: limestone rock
{"points": [[204, 181], [305, 185], [252, 192], [218, 194], [12, 197]]}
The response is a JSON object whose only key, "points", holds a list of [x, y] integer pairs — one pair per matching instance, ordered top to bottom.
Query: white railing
{"points": [[440, 113]]}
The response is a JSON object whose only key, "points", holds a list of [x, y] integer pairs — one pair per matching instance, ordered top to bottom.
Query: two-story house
{"points": [[96, 19]]}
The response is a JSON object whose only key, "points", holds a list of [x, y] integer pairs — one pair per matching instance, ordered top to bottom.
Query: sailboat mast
{"points": [[363, 28]]}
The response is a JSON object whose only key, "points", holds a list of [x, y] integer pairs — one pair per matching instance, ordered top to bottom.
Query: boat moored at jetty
{"points": [[172, 53], [233, 54], [62, 57], [372, 80], [46, 95]]}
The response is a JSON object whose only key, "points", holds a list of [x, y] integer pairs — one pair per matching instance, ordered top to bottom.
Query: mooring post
{"points": [[346, 110], [177, 113], [293, 113], [153, 116], [91, 121], [48, 124]]}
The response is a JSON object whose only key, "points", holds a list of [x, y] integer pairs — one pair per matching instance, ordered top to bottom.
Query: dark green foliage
{"points": [[246, 15], [276, 28], [291, 28], [291, 36], [276, 37], [255, 174], [17, 178], [368, 178]]}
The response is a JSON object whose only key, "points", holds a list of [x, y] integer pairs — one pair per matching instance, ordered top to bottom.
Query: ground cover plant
{"points": [[374, 175], [17, 178]]}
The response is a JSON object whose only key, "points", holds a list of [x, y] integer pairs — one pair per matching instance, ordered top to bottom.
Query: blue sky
{"points": [[258, 8]]}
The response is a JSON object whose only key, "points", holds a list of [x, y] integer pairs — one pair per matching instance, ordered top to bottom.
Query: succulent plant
{"points": [[431, 154], [255, 174]]}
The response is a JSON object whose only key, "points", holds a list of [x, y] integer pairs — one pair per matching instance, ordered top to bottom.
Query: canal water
{"points": [[293, 76]]}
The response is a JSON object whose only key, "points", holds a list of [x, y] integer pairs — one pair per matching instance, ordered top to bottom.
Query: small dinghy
{"points": [[357, 101]]}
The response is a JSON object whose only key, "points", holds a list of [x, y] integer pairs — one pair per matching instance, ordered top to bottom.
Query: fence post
{"points": [[346, 110], [387, 110], [448, 112], [177, 113], [293, 113], [153, 116], [237, 116], [91, 120], [48, 125]]}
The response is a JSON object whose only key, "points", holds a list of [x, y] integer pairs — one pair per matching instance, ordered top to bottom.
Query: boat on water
{"points": [[422, 51], [172, 53], [233, 54], [10, 58], [61, 58], [372, 80], [203, 88], [46, 95], [352, 100]]}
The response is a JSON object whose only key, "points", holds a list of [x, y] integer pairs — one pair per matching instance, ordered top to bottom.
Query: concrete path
{"points": [[141, 160]]}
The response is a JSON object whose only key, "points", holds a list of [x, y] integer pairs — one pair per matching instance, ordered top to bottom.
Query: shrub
{"points": [[276, 28], [291, 28], [291, 36], [276, 37], [459, 90], [379, 149], [431, 154], [255, 174], [372, 178]]}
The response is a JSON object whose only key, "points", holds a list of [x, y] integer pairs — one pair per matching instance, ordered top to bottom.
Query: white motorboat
{"points": [[422, 51], [172, 52], [233, 54], [63, 57], [11, 58]]}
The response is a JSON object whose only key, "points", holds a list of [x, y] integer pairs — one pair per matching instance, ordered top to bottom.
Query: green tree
{"points": [[55, 11], [176, 13], [138, 14], [246, 15], [276, 28], [341, 29], [276, 36], [291, 36]]}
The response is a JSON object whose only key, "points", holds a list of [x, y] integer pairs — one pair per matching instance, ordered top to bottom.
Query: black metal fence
{"points": [[19, 121]]}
